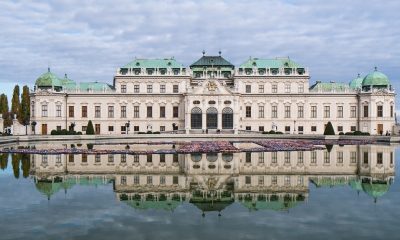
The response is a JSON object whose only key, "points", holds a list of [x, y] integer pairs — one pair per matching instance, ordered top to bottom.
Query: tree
{"points": [[15, 104], [5, 110], [24, 110], [89, 128], [329, 129], [3, 160], [15, 162], [26, 165]]}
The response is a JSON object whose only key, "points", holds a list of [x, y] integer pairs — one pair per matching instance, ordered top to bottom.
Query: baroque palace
{"points": [[212, 95]]}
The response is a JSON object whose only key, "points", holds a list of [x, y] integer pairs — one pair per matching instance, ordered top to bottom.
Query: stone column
{"points": [[219, 118], [204, 120], [187, 122]]}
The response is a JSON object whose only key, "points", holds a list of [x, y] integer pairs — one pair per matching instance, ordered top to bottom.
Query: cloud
{"points": [[90, 39]]}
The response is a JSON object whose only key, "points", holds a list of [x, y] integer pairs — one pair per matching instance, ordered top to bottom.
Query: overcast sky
{"points": [[89, 40]]}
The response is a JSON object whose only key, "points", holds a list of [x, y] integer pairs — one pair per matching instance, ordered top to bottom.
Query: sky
{"points": [[89, 40]]}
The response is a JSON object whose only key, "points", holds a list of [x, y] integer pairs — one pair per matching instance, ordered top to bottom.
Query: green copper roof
{"points": [[212, 61], [154, 63], [270, 63], [376, 78], [48, 79], [66, 80], [356, 82], [328, 87], [329, 181], [356, 185], [49, 188], [375, 190], [270, 205]]}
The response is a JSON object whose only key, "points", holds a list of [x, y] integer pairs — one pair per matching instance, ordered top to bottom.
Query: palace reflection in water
{"points": [[257, 180]]}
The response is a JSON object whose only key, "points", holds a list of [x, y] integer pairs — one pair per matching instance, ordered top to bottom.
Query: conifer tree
{"points": [[15, 103], [5, 110], [24, 110], [90, 129], [329, 129]]}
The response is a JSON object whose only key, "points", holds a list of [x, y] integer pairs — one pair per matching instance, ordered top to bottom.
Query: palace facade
{"points": [[213, 95]]}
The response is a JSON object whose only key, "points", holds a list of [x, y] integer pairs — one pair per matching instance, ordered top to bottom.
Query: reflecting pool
{"points": [[340, 192]]}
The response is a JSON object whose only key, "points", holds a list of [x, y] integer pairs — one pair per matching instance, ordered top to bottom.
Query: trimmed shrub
{"points": [[89, 128], [329, 129], [341, 133], [89, 146]]}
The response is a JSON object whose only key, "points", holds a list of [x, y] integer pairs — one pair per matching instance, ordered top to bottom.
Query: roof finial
{"points": [[204, 52], [219, 52], [376, 68], [358, 75]]}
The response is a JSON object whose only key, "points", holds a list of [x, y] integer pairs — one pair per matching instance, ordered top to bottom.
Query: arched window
{"points": [[196, 118], [212, 118], [227, 118], [196, 157], [212, 157], [227, 157]]}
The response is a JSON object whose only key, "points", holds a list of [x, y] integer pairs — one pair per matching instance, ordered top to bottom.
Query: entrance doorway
{"points": [[212, 118], [44, 129], [97, 129], [380, 129]]}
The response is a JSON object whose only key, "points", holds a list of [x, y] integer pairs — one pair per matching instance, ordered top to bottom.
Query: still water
{"points": [[348, 192]]}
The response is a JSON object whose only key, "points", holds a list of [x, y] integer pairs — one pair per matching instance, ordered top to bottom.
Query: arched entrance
{"points": [[196, 118], [212, 118], [227, 118]]}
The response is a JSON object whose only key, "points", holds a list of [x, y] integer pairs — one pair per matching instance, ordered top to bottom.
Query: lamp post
{"points": [[127, 125], [34, 127], [294, 127]]}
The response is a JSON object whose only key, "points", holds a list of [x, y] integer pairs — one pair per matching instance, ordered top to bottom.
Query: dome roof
{"points": [[376, 78], [48, 80], [66, 80], [356, 82], [375, 190]]}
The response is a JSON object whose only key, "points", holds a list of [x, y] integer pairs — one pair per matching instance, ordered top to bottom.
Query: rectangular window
{"points": [[287, 87], [301, 87], [123, 88], [136, 88], [149, 88], [162, 88], [175, 88], [248, 88], [260, 88], [274, 88], [33, 109], [58, 110], [44, 111], [71, 111], [84, 111], [110, 111], [123, 111], [135, 111], [149, 111], [248, 111], [260, 111], [287, 111], [313, 111], [327, 111], [340, 111], [353, 111], [366, 111], [380, 111], [391, 111], [97, 112], [162, 112], [175, 112], [274, 112], [300, 112], [84, 128], [111, 128], [136, 128], [162, 128], [248, 128], [261, 128], [313, 128], [340, 128], [353, 128], [123, 129], [287, 129], [300, 129], [84, 157], [248, 157], [261, 157], [274, 157], [287, 157], [300, 157], [314, 157], [340, 157], [353, 157], [58, 158], [71, 158], [97, 158], [110, 158], [123, 158], [136, 158], [149, 158], [162, 158], [175, 158], [365, 158], [379, 158], [391, 158], [123, 180], [136, 180], [150, 180], [162, 180], [175, 180], [248, 180], [261, 180], [274, 180], [287, 180], [300, 180]]}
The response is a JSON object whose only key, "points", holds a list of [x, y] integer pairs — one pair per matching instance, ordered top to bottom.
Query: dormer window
{"points": [[137, 71], [150, 71], [162, 71], [176, 71], [249, 71], [261, 71], [274, 71], [288, 71]]}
